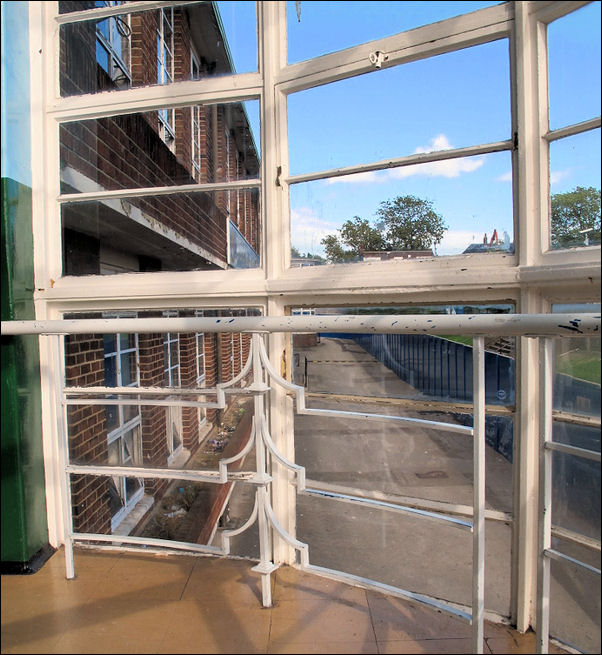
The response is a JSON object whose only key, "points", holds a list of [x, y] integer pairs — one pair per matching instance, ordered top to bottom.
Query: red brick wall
{"points": [[126, 151], [84, 367], [188, 377], [154, 440]]}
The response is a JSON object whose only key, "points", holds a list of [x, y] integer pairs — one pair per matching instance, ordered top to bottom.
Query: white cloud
{"points": [[447, 168], [558, 176], [506, 177], [307, 230], [455, 242]]}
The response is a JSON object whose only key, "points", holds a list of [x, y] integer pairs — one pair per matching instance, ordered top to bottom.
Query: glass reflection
{"points": [[157, 46], [575, 191], [175, 232]]}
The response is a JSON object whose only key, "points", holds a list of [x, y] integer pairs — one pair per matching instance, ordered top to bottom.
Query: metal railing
{"points": [[263, 375]]}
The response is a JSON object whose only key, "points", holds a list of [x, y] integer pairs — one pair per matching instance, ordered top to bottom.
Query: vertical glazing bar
{"points": [[63, 456], [545, 494], [478, 522], [264, 536]]}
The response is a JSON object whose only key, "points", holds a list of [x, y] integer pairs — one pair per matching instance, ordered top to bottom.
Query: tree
{"points": [[572, 213], [406, 223], [411, 223]]}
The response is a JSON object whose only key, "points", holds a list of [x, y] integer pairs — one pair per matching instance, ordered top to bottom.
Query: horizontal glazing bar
{"points": [[116, 10], [571, 130], [410, 160], [252, 183], [529, 325], [143, 391], [150, 403], [414, 404], [434, 425], [572, 450], [171, 474], [427, 505], [389, 506], [576, 538], [123, 539], [554, 554], [365, 583]]}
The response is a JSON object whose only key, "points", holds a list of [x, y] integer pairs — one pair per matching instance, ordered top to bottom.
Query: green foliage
{"points": [[572, 212], [405, 223], [411, 223]]}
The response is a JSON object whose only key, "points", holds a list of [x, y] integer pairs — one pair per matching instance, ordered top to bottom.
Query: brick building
{"points": [[172, 231]]}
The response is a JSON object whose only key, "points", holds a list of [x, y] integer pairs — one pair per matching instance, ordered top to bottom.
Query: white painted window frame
{"points": [[525, 278]]}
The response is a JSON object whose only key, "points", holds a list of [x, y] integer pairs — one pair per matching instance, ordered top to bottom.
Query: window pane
{"points": [[317, 28], [144, 50], [574, 66], [450, 101], [129, 151], [575, 189], [465, 203], [177, 232], [128, 369], [418, 376], [576, 481], [575, 600]]}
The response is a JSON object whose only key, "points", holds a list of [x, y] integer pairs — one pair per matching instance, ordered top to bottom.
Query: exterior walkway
{"points": [[145, 603]]}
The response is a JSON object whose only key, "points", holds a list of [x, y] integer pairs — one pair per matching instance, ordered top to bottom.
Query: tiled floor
{"points": [[143, 603]]}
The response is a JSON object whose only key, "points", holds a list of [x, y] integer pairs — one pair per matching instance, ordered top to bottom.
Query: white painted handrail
{"points": [[528, 325]]}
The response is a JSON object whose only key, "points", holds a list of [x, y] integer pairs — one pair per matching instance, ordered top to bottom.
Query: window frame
{"points": [[526, 278]]}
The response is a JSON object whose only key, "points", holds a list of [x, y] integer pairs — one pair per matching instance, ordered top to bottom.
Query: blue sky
{"points": [[450, 101]]}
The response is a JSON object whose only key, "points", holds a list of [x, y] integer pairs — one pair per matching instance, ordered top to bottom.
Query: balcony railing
{"points": [[264, 377]]}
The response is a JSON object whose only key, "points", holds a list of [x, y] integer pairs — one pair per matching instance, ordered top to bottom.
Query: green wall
{"points": [[24, 533]]}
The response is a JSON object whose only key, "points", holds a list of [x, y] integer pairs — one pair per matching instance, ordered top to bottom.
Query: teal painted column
{"points": [[24, 536]]}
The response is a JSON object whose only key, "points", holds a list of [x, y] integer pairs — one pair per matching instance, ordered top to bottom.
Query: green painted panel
{"points": [[24, 523]]}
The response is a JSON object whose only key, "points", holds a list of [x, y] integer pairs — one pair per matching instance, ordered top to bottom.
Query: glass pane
{"points": [[317, 28], [140, 49], [574, 66], [398, 111], [129, 151], [575, 190], [433, 209], [179, 232], [127, 340], [109, 343], [128, 369], [577, 369], [417, 376], [203, 436], [576, 481], [346, 536], [575, 601]]}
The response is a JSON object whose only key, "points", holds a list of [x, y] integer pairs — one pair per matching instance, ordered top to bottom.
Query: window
{"points": [[113, 46], [165, 71], [195, 117], [574, 136], [474, 142], [199, 338], [121, 360], [173, 414]]}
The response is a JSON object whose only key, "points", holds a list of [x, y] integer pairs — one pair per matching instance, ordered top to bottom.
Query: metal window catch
{"points": [[377, 57]]}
